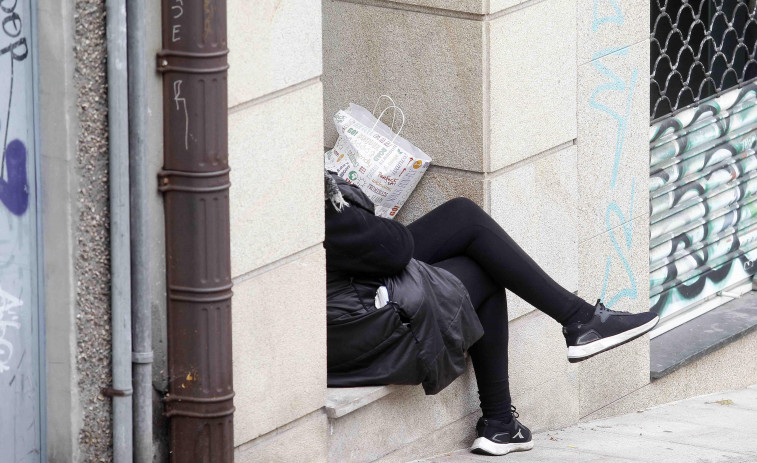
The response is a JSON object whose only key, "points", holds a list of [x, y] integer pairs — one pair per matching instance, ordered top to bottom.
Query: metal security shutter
{"points": [[703, 169], [703, 200]]}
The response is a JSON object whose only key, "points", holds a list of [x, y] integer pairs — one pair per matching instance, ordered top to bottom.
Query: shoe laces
{"points": [[602, 308]]}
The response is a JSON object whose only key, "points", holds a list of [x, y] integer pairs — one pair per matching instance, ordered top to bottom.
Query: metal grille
{"points": [[699, 48]]}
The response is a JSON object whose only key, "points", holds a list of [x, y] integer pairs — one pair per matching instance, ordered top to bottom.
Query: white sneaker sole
{"points": [[576, 353], [482, 445]]}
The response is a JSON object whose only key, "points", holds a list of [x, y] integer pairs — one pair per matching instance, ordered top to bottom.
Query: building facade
{"points": [[538, 111]]}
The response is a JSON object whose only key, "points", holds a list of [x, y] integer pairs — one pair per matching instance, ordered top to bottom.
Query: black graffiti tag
{"points": [[12, 27], [13, 49]]}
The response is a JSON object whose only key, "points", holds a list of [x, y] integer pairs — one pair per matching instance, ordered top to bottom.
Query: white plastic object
{"points": [[382, 297]]}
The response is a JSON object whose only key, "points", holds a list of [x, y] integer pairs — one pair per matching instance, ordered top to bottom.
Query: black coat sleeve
{"points": [[360, 243]]}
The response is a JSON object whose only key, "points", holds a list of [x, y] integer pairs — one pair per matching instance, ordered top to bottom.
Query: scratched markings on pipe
{"points": [[19, 329]]}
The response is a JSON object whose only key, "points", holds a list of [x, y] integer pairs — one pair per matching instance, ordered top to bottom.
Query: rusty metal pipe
{"points": [[195, 184]]}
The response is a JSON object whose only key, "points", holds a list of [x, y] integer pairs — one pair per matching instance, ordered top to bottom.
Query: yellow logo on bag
{"points": [[417, 164]]}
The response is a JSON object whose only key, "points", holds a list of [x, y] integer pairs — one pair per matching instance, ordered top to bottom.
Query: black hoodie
{"points": [[359, 243], [421, 335]]}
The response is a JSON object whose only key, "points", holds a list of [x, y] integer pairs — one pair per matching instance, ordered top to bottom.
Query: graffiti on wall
{"points": [[14, 192], [703, 208], [618, 224], [8, 319], [19, 325]]}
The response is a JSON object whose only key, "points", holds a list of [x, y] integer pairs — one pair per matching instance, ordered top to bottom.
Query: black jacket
{"points": [[360, 244], [420, 337]]}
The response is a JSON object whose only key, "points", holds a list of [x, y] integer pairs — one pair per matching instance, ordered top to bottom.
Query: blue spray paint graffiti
{"points": [[598, 21], [615, 84], [14, 192], [627, 227]]}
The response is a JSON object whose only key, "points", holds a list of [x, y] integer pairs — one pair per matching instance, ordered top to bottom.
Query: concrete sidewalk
{"points": [[720, 427]]}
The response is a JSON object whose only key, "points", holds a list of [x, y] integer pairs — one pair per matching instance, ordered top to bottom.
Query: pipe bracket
{"points": [[192, 62], [195, 182], [141, 357], [112, 392], [199, 407]]}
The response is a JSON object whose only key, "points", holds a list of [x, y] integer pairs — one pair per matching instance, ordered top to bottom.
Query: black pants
{"points": [[461, 238]]}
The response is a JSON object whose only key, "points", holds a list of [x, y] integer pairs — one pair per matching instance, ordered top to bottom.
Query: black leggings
{"points": [[461, 238]]}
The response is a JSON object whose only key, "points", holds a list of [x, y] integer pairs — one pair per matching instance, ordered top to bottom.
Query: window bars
{"points": [[699, 48]]}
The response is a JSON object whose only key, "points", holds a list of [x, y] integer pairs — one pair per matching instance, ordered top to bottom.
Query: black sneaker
{"points": [[606, 329], [500, 438]]}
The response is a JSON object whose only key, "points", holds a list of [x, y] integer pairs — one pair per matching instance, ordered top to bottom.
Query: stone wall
{"points": [[537, 111], [58, 151], [74, 173], [613, 173], [278, 262], [92, 266]]}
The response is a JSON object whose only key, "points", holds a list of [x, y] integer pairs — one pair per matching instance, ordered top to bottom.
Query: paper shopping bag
{"points": [[372, 156]]}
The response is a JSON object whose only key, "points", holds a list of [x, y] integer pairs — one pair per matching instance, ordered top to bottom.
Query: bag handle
{"points": [[375, 107], [396, 108]]}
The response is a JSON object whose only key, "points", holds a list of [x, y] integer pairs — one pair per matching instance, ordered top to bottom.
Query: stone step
{"points": [[343, 400], [386, 424]]}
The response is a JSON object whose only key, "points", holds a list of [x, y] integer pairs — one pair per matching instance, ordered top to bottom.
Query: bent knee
{"points": [[461, 206]]}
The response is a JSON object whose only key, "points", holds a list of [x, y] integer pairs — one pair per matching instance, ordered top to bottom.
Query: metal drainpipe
{"points": [[195, 183], [120, 273], [141, 355]]}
